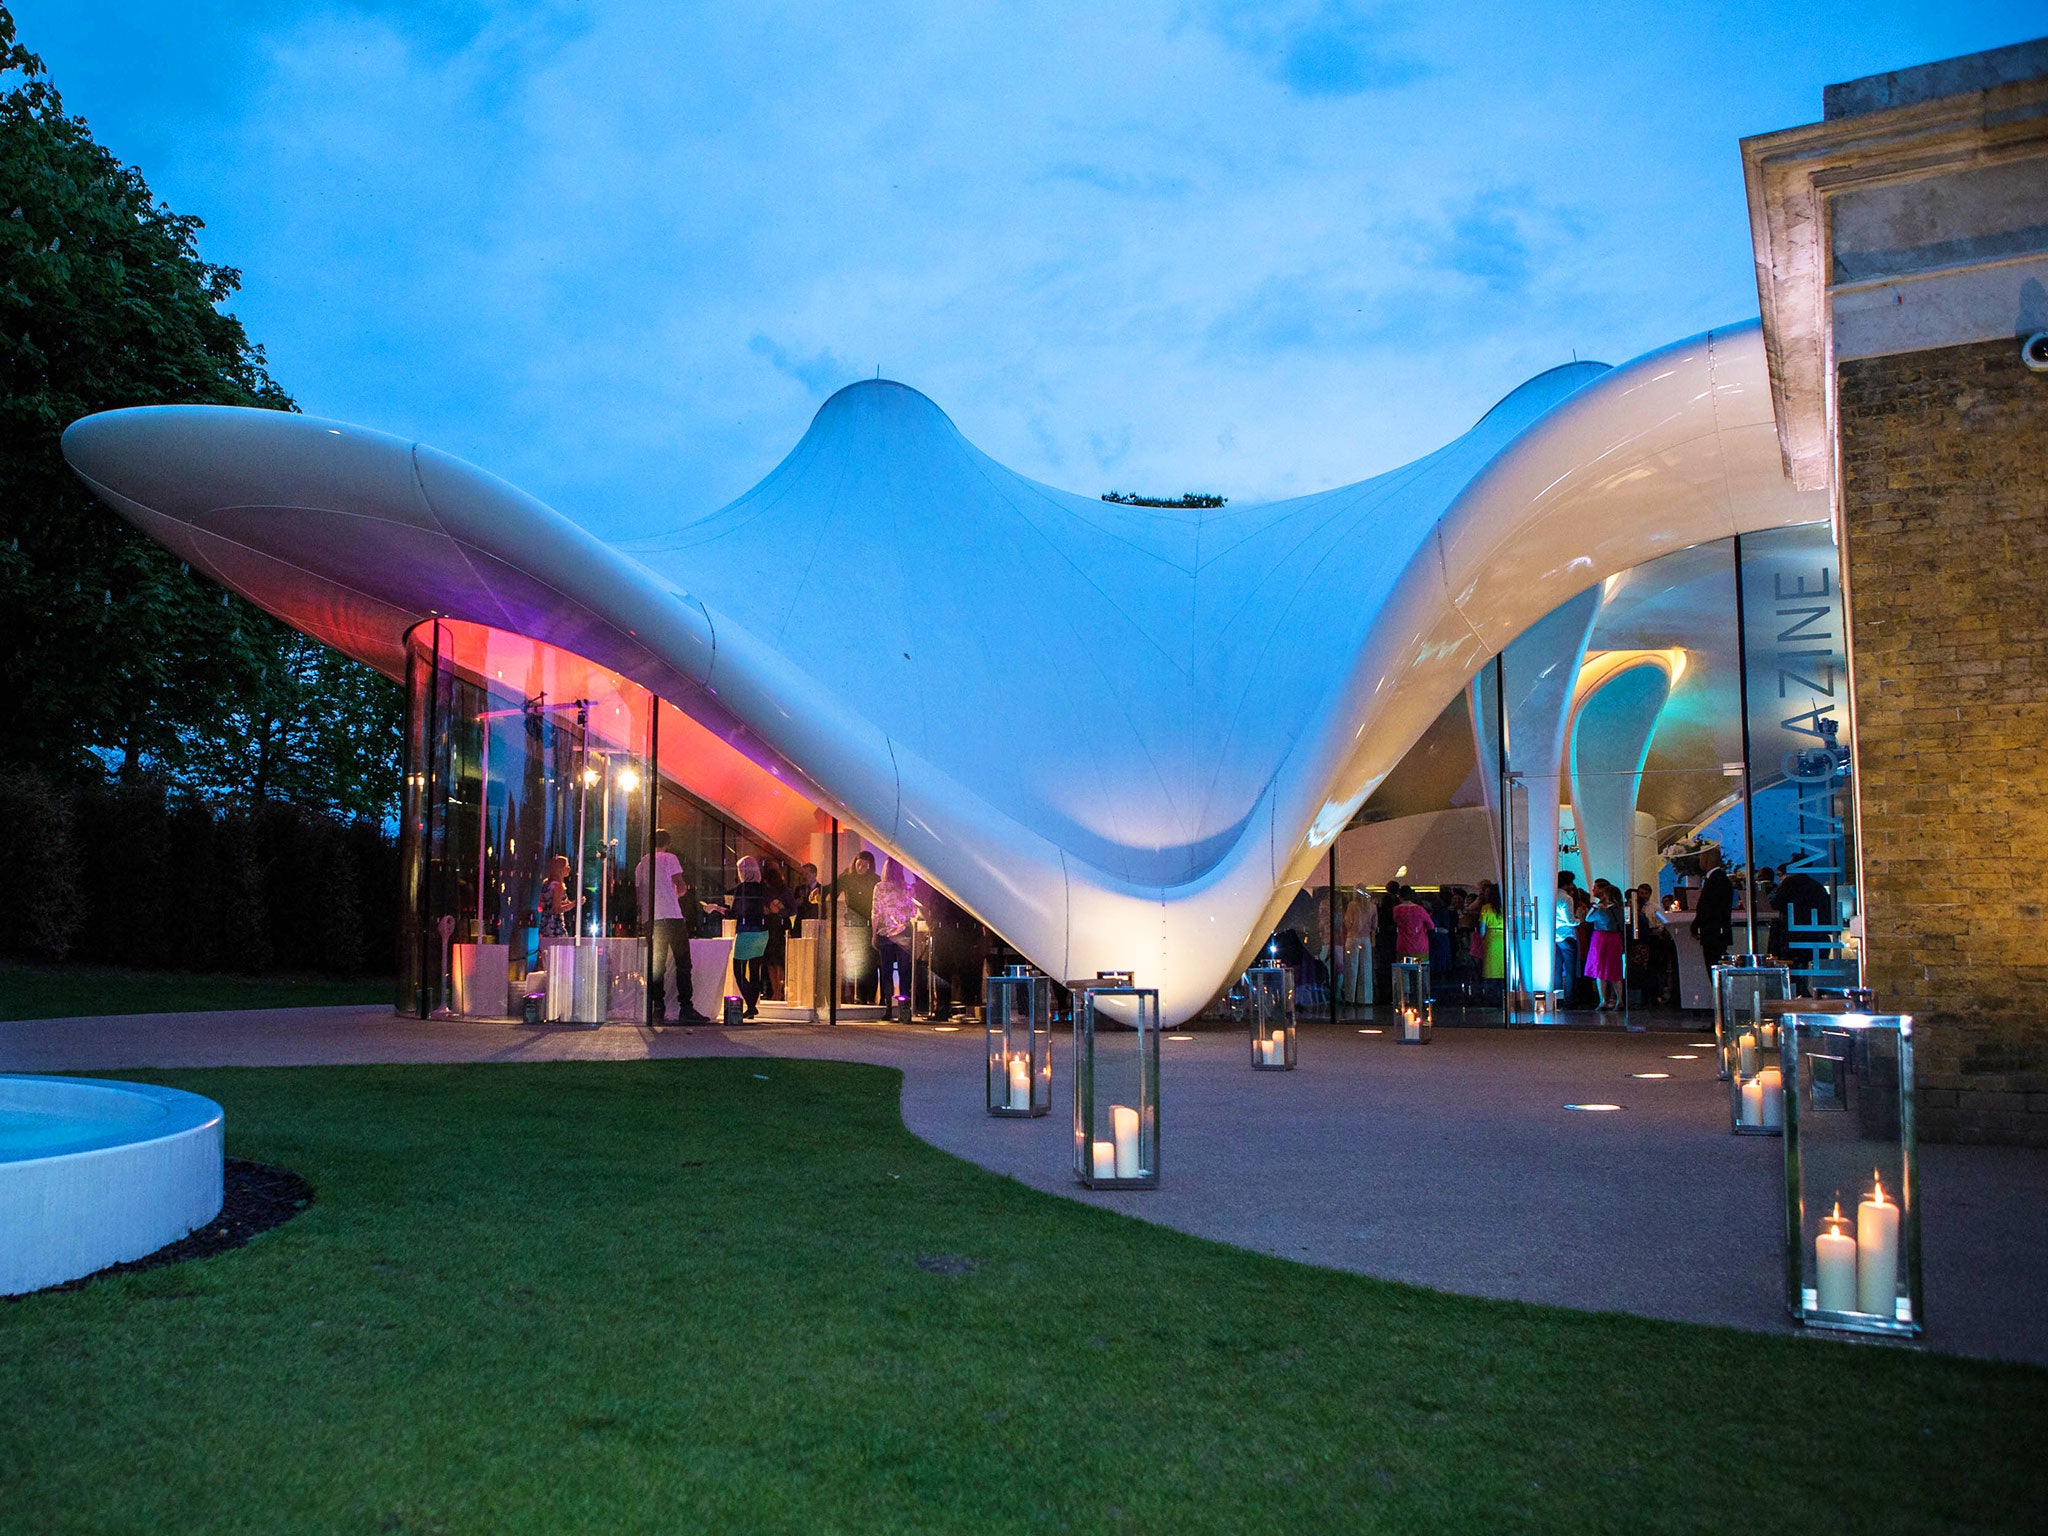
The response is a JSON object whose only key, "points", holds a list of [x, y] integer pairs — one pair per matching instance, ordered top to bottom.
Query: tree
{"points": [[112, 653]]}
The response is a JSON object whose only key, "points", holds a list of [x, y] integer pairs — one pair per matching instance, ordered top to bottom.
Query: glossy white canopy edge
{"points": [[1120, 736]]}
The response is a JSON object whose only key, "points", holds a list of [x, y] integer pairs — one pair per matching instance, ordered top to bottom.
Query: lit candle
{"points": [[1411, 1024], [1278, 1046], [1745, 1053], [1020, 1082], [1772, 1082], [1753, 1102], [1123, 1125], [1105, 1159], [1877, 1253], [1834, 1255]]}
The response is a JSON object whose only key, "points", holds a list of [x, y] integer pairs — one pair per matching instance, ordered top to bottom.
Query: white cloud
{"points": [[617, 253]]}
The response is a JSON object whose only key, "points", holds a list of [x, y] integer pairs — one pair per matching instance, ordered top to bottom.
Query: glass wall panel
{"points": [[1617, 738], [1800, 754], [536, 780], [560, 866], [708, 950], [415, 985]]}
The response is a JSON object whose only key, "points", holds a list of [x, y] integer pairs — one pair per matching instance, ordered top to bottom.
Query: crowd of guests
{"points": [[768, 903], [885, 915], [1461, 933], [1608, 939]]}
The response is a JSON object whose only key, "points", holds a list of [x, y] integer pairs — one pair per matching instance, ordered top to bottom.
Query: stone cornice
{"points": [[1789, 177]]}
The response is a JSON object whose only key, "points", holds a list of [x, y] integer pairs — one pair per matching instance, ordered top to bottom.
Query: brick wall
{"points": [[1945, 504]]}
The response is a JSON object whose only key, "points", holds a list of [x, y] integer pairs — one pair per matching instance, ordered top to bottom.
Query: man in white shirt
{"points": [[664, 896]]}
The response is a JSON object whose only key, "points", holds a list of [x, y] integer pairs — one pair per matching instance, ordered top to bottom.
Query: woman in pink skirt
{"points": [[1604, 954]]}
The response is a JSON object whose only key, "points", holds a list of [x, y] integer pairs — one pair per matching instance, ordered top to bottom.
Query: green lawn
{"points": [[75, 991], [684, 1295]]}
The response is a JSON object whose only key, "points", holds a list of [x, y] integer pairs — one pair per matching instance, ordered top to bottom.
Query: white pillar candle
{"points": [[1411, 1025], [1745, 1053], [1772, 1081], [1020, 1082], [1753, 1102], [1123, 1125], [1105, 1159], [1877, 1253], [1834, 1254]]}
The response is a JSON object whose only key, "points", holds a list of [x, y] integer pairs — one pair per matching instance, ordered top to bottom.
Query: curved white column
{"points": [[1540, 669], [1611, 732], [1121, 736]]}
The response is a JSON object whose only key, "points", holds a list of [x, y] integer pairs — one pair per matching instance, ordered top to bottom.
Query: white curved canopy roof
{"points": [[1120, 735]]}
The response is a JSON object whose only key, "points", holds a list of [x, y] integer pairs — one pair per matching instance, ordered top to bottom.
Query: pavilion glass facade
{"points": [[1759, 749], [535, 784]]}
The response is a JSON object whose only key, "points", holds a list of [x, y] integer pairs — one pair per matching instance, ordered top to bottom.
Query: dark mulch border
{"points": [[255, 1198]]}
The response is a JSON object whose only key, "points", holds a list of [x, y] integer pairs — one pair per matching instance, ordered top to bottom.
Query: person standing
{"points": [[776, 883], [665, 893], [557, 904], [747, 905], [891, 914], [1713, 922], [856, 925], [1413, 927], [1804, 931], [1564, 938], [1490, 941], [1603, 954]]}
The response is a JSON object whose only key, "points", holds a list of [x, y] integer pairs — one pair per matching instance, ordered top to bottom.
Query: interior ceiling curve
{"points": [[1119, 735]]}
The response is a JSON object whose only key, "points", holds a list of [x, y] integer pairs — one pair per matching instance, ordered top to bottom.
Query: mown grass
{"points": [[80, 991], [686, 1295]]}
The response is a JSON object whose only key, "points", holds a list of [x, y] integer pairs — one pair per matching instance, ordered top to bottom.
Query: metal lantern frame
{"points": [[1741, 985], [1408, 989], [1269, 993], [1017, 1012], [1116, 1050], [1756, 1072], [1849, 1106]]}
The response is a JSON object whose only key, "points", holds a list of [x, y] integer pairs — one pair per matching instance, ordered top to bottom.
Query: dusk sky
{"points": [[618, 253]]}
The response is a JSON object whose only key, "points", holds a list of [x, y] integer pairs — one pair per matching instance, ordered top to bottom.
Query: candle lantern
{"points": [[1741, 988], [1270, 991], [1018, 1010], [1413, 1010], [1756, 1071], [1116, 1087], [1852, 1188]]}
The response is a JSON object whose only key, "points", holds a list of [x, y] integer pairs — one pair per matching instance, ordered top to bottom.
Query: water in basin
{"points": [[49, 1118]]}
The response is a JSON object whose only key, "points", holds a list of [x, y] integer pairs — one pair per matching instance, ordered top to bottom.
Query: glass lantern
{"points": [[1741, 988], [1270, 991], [1018, 1010], [1413, 1011], [1756, 1075], [1116, 1087], [1852, 1186]]}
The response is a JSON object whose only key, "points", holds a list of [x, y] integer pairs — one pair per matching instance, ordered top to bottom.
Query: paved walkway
{"points": [[1454, 1166]]}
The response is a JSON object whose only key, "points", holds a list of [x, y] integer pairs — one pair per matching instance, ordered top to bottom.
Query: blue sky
{"points": [[619, 252]]}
